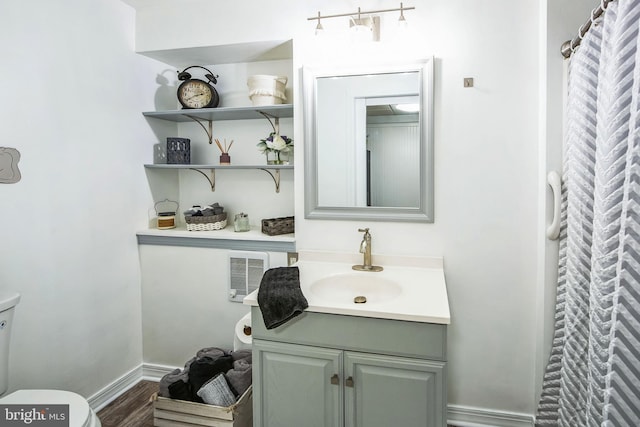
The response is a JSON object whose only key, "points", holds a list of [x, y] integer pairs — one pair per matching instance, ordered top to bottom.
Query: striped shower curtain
{"points": [[593, 375]]}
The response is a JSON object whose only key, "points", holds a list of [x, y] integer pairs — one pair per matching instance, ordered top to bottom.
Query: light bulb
{"points": [[402, 23], [319, 30]]}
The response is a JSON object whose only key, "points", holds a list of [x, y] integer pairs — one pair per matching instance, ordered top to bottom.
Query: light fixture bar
{"points": [[359, 12]]}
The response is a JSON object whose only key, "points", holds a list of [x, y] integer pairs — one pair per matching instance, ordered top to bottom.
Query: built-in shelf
{"points": [[268, 50], [257, 51], [224, 113], [272, 170], [227, 238]]}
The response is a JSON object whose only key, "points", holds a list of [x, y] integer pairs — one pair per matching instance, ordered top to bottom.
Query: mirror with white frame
{"points": [[369, 142]]}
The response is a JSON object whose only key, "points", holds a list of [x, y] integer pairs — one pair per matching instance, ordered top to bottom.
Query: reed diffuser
{"points": [[225, 159]]}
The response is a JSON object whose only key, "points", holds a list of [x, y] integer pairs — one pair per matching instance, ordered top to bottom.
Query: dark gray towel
{"points": [[279, 297], [212, 352], [241, 354], [239, 378]]}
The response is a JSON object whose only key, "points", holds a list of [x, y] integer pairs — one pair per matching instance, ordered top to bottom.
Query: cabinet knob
{"points": [[335, 380], [349, 382]]}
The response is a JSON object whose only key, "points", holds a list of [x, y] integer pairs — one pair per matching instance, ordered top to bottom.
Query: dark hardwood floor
{"points": [[133, 409]]}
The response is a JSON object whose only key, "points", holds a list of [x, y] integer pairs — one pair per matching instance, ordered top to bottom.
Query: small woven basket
{"points": [[206, 223], [275, 226]]}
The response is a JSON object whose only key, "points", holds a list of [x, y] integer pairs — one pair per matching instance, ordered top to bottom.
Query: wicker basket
{"points": [[206, 223], [275, 226]]}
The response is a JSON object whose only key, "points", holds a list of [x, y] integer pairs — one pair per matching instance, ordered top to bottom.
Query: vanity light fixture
{"points": [[402, 22], [368, 25], [319, 29], [365, 29]]}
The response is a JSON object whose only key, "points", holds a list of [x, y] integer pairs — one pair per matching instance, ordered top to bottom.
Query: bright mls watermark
{"points": [[34, 415]]}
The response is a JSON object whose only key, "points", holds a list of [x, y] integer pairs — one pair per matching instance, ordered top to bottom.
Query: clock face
{"points": [[195, 94]]}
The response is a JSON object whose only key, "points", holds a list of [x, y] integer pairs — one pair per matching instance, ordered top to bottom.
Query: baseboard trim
{"points": [[153, 372], [109, 393], [466, 416]]}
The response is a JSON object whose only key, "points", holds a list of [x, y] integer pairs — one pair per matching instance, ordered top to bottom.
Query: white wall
{"points": [[72, 92], [486, 175], [185, 304]]}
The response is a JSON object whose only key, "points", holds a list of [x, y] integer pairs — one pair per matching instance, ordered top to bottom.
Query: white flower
{"points": [[277, 144]]}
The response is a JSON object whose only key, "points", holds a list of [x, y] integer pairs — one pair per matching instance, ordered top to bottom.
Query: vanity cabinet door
{"points": [[296, 385], [383, 391]]}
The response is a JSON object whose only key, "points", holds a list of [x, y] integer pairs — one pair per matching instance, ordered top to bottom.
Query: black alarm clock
{"points": [[196, 93]]}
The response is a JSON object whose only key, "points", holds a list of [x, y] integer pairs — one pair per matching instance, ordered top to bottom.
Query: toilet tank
{"points": [[8, 300]]}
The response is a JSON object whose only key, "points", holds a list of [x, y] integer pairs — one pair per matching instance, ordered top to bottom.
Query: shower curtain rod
{"points": [[569, 46]]}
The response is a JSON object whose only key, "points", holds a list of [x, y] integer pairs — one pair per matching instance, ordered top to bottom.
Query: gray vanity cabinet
{"points": [[325, 370], [295, 384], [392, 391]]}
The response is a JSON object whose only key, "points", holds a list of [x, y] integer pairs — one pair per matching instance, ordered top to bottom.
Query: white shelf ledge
{"points": [[269, 50], [223, 113], [192, 166], [253, 240]]}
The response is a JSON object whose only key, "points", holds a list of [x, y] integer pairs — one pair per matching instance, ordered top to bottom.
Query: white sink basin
{"points": [[344, 288], [409, 288]]}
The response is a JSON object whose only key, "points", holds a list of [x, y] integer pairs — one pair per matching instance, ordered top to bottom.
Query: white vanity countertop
{"points": [[420, 295]]}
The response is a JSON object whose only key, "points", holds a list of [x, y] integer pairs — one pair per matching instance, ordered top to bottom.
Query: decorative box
{"points": [[178, 151], [275, 226]]}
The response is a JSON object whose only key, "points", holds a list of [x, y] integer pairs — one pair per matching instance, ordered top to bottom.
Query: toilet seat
{"points": [[80, 414]]}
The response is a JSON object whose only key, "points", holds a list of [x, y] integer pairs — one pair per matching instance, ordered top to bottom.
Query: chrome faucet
{"points": [[365, 248]]}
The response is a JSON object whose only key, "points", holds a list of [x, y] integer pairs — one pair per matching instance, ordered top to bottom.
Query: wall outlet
{"points": [[292, 258]]}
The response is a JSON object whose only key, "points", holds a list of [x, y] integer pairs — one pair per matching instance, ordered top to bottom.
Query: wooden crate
{"points": [[180, 413]]}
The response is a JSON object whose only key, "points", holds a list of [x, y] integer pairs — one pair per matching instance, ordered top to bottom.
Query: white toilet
{"points": [[80, 414]]}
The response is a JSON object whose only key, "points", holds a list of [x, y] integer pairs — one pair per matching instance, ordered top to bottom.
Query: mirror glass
{"points": [[369, 142]]}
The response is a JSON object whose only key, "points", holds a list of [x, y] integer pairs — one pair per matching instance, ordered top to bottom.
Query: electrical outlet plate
{"points": [[292, 258]]}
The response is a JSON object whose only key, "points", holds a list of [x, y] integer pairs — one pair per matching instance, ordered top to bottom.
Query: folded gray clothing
{"points": [[279, 296], [212, 352], [241, 354], [187, 365], [242, 365], [183, 374], [172, 377], [168, 379], [239, 379], [216, 391]]}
